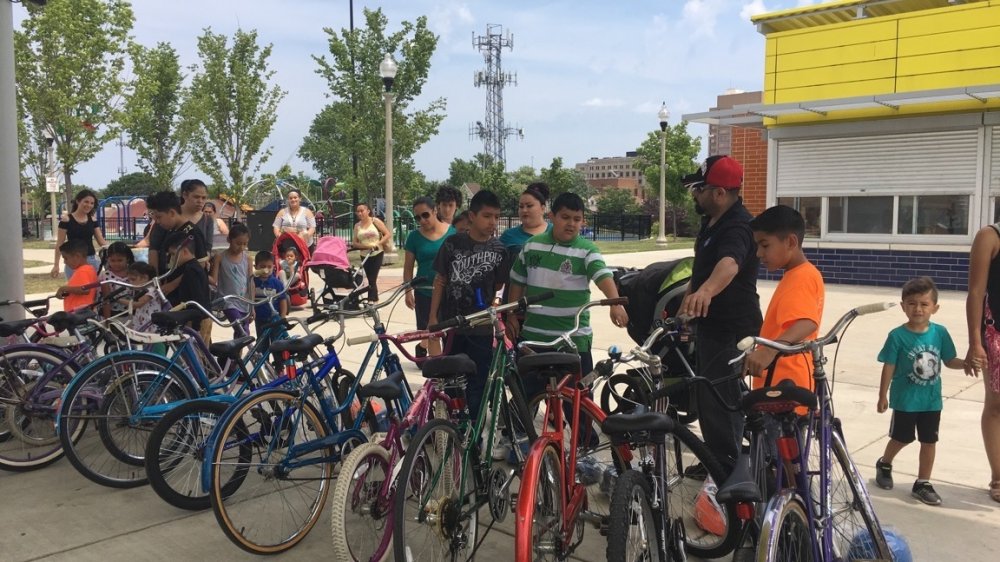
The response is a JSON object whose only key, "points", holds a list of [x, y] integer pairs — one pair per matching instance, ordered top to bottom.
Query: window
{"points": [[810, 208], [933, 214], [860, 215]]}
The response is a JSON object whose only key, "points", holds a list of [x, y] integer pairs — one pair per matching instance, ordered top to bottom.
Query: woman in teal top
{"points": [[531, 210], [422, 247]]}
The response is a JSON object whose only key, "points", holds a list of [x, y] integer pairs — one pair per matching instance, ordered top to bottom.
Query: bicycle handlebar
{"points": [[474, 318], [565, 338], [807, 346]]}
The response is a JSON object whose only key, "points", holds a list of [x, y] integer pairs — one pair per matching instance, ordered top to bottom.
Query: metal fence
{"points": [[598, 227]]}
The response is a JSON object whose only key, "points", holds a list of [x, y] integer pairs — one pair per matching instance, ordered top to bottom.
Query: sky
{"points": [[591, 74]]}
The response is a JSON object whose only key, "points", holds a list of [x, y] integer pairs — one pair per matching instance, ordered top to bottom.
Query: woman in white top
{"points": [[296, 219], [370, 235], [220, 240]]}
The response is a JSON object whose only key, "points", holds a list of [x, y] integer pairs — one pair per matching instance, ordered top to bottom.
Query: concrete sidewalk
{"points": [[56, 514]]}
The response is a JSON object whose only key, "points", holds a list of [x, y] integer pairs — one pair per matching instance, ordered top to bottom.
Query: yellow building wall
{"points": [[956, 46]]}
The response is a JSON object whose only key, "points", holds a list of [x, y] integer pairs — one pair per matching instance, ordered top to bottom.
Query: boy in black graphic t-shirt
{"points": [[471, 268]]}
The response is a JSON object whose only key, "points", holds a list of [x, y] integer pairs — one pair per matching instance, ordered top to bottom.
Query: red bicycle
{"points": [[560, 489]]}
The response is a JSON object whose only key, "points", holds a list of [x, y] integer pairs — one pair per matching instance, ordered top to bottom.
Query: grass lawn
{"points": [[38, 244], [647, 245], [35, 263], [42, 283]]}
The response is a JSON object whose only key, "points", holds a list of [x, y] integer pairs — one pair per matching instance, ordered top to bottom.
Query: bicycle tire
{"points": [[28, 440], [686, 450], [175, 451], [120, 466], [432, 469], [356, 495], [632, 515], [539, 522], [278, 525], [786, 535]]}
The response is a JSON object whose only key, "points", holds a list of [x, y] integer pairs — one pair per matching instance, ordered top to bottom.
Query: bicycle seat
{"points": [[175, 319], [63, 321], [15, 327], [297, 346], [231, 349], [548, 364], [448, 366], [389, 388], [780, 399], [652, 422], [740, 486]]}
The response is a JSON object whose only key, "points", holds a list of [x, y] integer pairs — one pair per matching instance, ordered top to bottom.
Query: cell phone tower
{"points": [[494, 132]]}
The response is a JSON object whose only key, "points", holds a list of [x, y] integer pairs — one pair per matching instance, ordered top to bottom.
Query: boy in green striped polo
{"points": [[563, 262]]}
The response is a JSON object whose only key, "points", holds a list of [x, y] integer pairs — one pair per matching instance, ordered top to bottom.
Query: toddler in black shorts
{"points": [[911, 361]]}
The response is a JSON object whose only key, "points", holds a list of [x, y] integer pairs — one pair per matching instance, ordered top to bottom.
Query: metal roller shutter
{"points": [[995, 161], [909, 163]]}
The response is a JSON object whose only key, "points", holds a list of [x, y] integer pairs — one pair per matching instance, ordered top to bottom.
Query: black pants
{"points": [[372, 265], [721, 429]]}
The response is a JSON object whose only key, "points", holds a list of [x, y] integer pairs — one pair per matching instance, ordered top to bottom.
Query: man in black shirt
{"points": [[165, 208], [190, 277], [723, 294]]}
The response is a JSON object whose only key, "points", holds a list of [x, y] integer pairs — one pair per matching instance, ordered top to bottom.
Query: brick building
{"points": [[615, 172]]}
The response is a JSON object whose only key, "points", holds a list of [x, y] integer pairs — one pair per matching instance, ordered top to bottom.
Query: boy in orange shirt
{"points": [[75, 293], [796, 308]]}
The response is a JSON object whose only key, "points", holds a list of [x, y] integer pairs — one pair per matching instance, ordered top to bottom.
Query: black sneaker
{"points": [[696, 471], [883, 474], [924, 492]]}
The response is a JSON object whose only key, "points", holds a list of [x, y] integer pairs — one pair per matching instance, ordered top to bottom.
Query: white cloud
{"points": [[806, 2], [753, 8], [700, 16], [602, 102]]}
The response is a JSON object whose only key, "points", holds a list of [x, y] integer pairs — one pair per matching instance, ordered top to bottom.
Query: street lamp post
{"points": [[387, 69], [663, 115]]}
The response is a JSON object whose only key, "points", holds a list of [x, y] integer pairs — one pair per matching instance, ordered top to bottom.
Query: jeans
{"points": [[480, 350], [533, 386], [721, 429]]}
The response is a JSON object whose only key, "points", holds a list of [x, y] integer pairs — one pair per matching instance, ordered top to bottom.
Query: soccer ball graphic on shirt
{"points": [[926, 365]]}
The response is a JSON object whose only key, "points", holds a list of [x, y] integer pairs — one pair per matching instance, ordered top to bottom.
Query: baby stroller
{"points": [[330, 262], [654, 293], [299, 294]]}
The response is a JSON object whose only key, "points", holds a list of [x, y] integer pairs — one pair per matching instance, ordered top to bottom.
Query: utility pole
{"points": [[494, 133]]}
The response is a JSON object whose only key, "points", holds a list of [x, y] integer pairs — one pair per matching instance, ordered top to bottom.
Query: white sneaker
{"points": [[501, 449]]}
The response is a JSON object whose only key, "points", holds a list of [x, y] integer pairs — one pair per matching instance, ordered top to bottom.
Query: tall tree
{"points": [[69, 58], [231, 109], [151, 116], [353, 124], [681, 153], [561, 180], [134, 184], [617, 202]]}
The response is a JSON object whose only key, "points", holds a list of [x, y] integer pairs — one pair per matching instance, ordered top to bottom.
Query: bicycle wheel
{"points": [[110, 392], [28, 439], [176, 449], [599, 463], [281, 496], [428, 519], [360, 522], [539, 525], [711, 529], [632, 530], [857, 533], [786, 536]]}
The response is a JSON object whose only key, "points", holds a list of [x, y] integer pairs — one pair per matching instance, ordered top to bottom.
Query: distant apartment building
{"points": [[720, 137], [615, 172]]}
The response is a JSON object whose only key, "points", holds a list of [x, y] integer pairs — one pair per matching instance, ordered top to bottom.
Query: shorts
{"points": [[906, 425]]}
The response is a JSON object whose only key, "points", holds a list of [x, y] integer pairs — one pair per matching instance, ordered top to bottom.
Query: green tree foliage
{"points": [[69, 57], [231, 109], [151, 116], [353, 124], [681, 153], [464, 171], [489, 175], [523, 176], [561, 180], [134, 184], [617, 202]]}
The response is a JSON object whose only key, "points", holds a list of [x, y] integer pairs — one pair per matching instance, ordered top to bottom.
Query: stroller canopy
{"points": [[332, 251]]}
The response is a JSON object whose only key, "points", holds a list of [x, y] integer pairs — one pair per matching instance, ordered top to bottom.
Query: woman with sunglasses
{"points": [[372, 236], [422, 247]]}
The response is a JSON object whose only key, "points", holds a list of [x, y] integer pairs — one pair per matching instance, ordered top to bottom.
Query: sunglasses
{"points": [[701, 189], [424, 215]]}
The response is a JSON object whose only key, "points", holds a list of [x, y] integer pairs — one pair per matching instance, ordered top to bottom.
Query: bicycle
{"points": [[279, 445], [448, 471], [554, 504], [821, 509], [643, 518]]}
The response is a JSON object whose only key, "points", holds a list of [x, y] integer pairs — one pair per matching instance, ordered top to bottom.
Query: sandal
{"points": [[995, 490]]}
